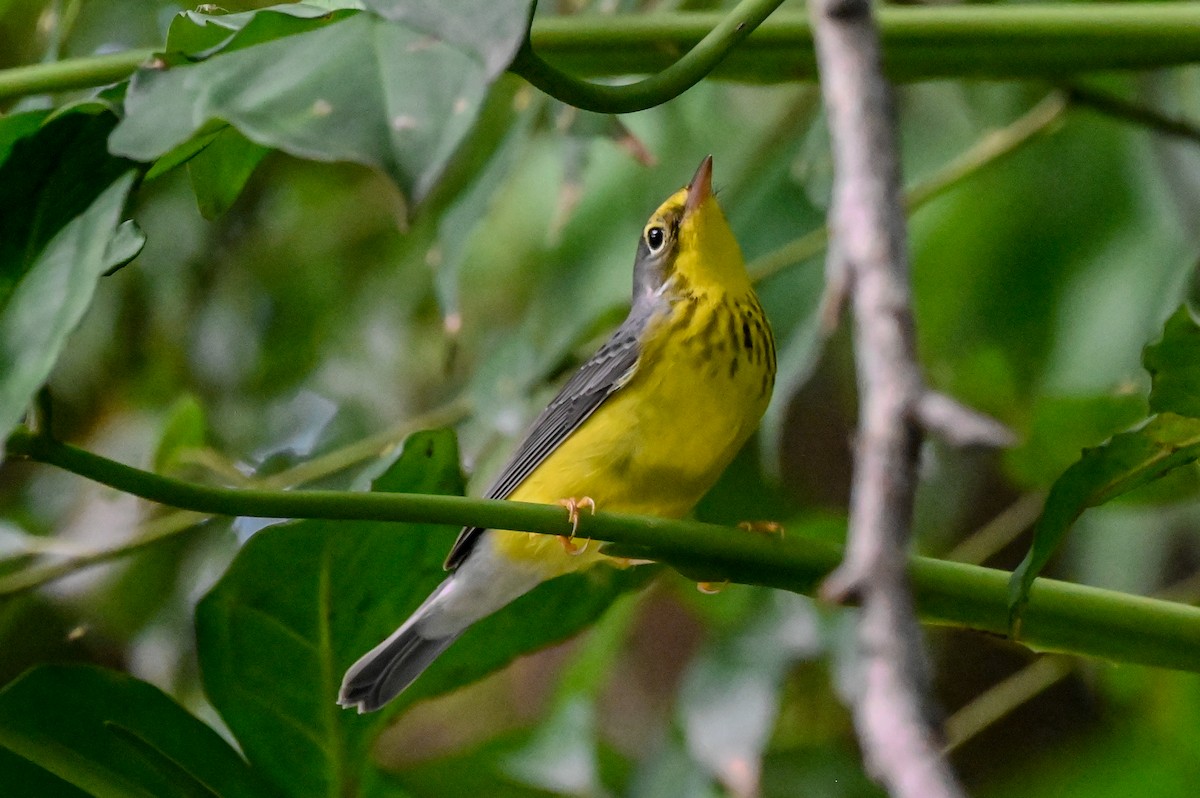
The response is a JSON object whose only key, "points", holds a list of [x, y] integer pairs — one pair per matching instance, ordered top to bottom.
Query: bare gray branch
{"points": [[959, 425], [901, 742]]}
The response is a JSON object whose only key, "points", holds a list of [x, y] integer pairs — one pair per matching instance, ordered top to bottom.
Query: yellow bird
{"points": [[646, 426]]}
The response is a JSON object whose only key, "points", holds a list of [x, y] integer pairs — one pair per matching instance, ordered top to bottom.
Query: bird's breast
{"points": [[703, 380]]}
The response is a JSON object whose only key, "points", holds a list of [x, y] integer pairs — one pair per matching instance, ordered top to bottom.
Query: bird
{"points": [[645, 426]]}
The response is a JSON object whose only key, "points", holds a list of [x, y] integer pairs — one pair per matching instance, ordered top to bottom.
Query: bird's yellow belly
{"points": [[654, 447]]}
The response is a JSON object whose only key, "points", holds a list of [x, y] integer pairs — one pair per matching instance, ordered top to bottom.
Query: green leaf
{"points": [[491, 29], [199, 35], [360, 89], [15, 127], [219, 171], [51, 176], [61, 202], [126, 244], [1174, 365], [184, 430], [1127, 461], [301, 602], [111, 735], [22, 777], [182, 783]]}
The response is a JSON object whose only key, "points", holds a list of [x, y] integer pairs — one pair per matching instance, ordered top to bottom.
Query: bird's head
{"points": [[687, 245]]}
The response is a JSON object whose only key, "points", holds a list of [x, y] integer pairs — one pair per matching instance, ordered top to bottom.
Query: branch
{"points": [[868, 265], [959, 425], [1061, 617]]}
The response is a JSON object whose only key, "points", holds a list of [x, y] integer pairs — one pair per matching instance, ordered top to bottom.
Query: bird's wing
{"points": [[598, 378]]}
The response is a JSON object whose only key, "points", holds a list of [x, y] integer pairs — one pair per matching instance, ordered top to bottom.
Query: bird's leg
{"points": [[573, 506], [763, 527]]}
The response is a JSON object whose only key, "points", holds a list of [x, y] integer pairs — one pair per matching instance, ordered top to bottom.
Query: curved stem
{"points": [[657, 89], [1060, 617]]}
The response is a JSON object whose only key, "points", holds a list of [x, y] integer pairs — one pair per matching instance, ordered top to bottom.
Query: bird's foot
{"points": [[573, 505], [763, 527], [712, 588]]}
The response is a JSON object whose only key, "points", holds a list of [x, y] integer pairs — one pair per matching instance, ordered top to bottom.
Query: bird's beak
{"points": [[700, 188]]}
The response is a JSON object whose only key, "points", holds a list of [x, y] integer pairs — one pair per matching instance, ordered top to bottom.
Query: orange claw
{"points": [[573, 506], [763, 527], [712, 588]]}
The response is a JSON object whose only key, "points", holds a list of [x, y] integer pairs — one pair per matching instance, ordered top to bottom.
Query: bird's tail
{"points": [[384, 671]]}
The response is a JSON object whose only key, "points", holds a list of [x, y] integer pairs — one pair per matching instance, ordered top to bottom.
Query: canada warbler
{"points": [[645, 426]]}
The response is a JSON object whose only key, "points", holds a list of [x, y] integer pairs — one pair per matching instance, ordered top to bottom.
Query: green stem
{"points": [[982, 41], [919, 42], [73, 73], [665, 85], [172, 525], [1060, 616]]}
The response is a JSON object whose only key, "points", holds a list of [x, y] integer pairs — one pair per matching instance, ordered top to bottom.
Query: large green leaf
{"points": [[491, 29], [196, 35], [392, 95], [15, 127], [52, 173], [61, 201], [1174, 365], [1131, 459], [1127, 461], [301, 602], [109, 734], [22, 777]]}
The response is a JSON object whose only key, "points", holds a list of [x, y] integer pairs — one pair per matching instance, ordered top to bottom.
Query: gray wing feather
{"points": [[598, 378]]}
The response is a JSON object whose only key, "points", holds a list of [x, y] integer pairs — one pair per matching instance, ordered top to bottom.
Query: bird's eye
{"points": [[655, 238]]}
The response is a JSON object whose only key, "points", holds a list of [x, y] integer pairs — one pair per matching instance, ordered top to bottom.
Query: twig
{"points": [[1119, 108], [991, 148], [959, 425], [1000, 531], [1002, 698], [892, 714]]}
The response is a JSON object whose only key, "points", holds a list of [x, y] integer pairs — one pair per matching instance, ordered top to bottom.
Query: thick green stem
{"points": [[981, 41], [73, 73], [1060, 617]]}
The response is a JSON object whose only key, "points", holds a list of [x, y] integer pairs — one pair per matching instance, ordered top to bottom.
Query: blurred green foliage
{"points": [[284, 308]]}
